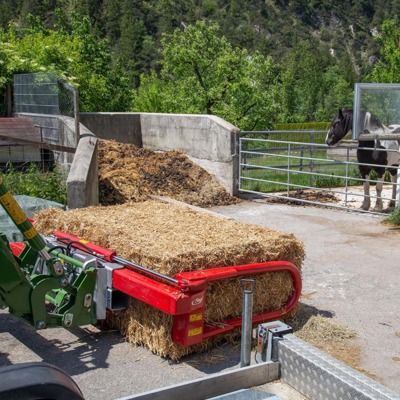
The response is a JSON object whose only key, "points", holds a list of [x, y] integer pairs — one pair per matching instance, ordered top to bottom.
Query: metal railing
{"points": [[20, 157], [291, 169]]}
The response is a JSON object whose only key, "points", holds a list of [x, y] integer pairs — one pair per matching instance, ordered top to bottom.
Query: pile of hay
{"points": [[129, 173], [169, 239]]}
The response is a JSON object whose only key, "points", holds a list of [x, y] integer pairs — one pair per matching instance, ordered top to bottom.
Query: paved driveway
{"points": [[352, 271]]}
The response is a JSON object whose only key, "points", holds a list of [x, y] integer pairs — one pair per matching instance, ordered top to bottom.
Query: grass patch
{"points": [[270, 166], [267, 176], [33, 182], [394, 217]]}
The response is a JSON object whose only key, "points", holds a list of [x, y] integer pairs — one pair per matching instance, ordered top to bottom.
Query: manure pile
{"points": [[129, 173], [169, 239]]}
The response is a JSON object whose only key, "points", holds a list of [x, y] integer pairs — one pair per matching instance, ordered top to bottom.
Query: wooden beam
{"points": [[23, 131], [44, 145]]}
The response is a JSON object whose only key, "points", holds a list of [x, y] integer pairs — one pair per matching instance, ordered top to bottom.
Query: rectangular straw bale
{"points": [[170, 238]]}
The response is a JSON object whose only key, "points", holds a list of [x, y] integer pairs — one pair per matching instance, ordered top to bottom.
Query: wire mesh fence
{"points": [[44, 93], [19, 157]]}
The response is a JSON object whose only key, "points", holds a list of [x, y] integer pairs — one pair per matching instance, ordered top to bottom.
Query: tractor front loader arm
{"points": [[34, 285], [15, 288]]}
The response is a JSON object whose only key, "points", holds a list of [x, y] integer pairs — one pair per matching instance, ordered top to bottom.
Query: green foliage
{"points": [[272, 27], [78, 57], [282, 61], [387, 69], [202, 73], [312, 88], [306, 126], [33, 182], [394, 217]]}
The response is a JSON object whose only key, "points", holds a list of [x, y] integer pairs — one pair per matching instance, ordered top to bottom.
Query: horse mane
{"points": [[347, 116], [370, 122], [373, 122]]}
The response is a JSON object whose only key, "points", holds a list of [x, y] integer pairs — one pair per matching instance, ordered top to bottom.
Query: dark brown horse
{"points": [[372, 155]]}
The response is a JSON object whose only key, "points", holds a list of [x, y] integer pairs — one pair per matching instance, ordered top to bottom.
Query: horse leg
{"points": [[393, 178], [379, 186], [367, 199]]}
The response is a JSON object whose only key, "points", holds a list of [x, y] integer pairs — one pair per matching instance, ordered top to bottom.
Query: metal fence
{"points": [[42, 93], [45, 93], [19, 157], [298, 167]]}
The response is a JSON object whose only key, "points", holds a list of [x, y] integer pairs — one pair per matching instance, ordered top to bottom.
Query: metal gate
{"points": [[298, 167]]}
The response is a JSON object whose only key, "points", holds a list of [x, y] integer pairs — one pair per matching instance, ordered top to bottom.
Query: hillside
{"points": [[134, 27], [252, 63]]}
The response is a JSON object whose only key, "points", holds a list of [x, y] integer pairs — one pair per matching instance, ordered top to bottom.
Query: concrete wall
{"points": [[123, 127], [56, 130], [209, 141], [19, 153], [81, 167], [83, 177]]}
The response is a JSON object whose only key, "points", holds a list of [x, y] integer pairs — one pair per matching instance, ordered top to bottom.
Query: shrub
{"points": [[33, 182], [394, 217]]}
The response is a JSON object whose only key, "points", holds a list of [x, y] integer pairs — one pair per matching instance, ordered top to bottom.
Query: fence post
{"points": [[9, 101], [76, 115], [301, 158], [312, 159], [288, 172], [347, 175], [398, 189], [247, 317]]}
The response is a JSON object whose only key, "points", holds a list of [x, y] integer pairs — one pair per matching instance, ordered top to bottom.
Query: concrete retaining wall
{"points": [[123, 127], [56, 130], [209, 141], [81, 167], [83, 177]]}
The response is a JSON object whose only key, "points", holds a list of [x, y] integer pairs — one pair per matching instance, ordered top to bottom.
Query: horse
{"points": [[382, 154]]}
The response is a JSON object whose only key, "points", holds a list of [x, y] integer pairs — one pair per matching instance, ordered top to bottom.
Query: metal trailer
{"points": [[280, 355]]}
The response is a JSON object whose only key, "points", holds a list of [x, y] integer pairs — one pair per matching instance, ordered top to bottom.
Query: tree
{"points": [[77, 57], [387, 69], [202, 73], [301, 83], [335, 93]]}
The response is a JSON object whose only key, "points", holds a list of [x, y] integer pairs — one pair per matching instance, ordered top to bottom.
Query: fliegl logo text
{"points": [[197, 301]]}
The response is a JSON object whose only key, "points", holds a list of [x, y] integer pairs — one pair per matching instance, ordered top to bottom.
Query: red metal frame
{"points": [[17, 248], [186, 300], [187, 305]]}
